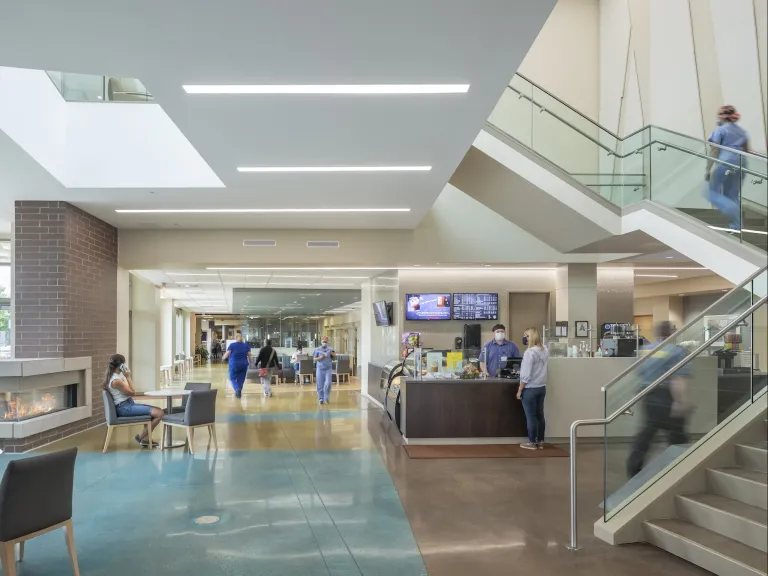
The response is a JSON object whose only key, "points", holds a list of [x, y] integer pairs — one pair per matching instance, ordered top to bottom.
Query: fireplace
{"points": [[18, 406]]}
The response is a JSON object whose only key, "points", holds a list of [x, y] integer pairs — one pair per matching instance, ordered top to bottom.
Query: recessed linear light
{"points": [[338, 89], [283, 169], [257, 211], [670, 257], [670, 268], [185, 274], [656, 276]]}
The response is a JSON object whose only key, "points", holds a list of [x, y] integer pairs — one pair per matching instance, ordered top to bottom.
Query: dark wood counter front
{"points": [[463, 409]]}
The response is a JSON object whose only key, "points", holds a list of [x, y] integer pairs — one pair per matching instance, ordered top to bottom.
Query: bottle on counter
{"points": [[599, 353]]}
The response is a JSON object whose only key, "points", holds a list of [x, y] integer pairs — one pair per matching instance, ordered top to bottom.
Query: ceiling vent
{"points": [[260, 243], [323, 244]]}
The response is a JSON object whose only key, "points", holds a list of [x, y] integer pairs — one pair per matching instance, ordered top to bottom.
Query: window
{"points": [[6, 289]]}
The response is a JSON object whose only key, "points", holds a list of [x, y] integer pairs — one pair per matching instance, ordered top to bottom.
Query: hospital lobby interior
{"points": [[291, 288]]}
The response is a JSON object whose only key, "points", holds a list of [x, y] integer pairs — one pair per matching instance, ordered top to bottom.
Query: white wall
{"points": [[671, 63], [123, 313], [145, 362]]}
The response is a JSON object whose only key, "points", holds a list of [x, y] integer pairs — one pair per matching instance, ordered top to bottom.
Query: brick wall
{"points": [[65, 296]]}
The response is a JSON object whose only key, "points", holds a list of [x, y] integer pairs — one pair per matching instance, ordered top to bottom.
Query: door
{"points": [[526, 309], [645, 324]]}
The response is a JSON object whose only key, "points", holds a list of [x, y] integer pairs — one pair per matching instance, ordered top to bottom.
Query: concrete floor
{"points": [[299, 489]]}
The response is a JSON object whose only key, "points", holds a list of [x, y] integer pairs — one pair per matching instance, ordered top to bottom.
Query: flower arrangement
{"points": [[469, 372]]}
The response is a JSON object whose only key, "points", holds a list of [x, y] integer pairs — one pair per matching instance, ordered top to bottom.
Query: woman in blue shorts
{"points": [[119, 384]]}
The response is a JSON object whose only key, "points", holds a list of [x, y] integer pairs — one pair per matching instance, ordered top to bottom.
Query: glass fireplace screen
{"points": [[15, 406]]}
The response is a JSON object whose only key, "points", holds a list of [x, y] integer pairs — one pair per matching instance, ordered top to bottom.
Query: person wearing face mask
{"points": [[724, 180], [493, 356], [323, 358], [533, 387]]}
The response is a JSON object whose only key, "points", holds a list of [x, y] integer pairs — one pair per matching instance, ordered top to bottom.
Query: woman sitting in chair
{"points": [[119, 384]]}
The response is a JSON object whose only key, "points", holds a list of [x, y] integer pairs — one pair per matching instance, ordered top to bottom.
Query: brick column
{"points": [[65, 295]]}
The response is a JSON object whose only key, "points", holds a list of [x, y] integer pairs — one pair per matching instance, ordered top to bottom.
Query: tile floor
{"points": [[298, 489]]}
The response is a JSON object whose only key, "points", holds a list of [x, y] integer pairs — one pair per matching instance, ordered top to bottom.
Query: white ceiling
{"points": [[174, 42]]}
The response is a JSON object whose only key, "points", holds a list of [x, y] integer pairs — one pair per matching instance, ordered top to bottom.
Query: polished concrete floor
{"points": [[300, 489]]}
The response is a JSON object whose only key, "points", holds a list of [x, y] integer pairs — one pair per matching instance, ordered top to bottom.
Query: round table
{"points": [[170, 394]]}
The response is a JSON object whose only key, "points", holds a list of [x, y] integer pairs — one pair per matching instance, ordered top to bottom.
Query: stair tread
{"points": [[751, 475], [751, 513], [711, 540]]}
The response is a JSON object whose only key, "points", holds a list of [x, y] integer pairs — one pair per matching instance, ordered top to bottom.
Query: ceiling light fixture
{"points": [[327, 89], [283, 169], [256, 210], [748, 231], [670, 257], [670, 268], [656, 276]]}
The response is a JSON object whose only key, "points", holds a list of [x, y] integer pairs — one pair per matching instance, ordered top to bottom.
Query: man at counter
{"points": [[493, 356]]}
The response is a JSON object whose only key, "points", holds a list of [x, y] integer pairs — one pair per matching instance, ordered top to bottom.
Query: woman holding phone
{"points": [[119, 384]]}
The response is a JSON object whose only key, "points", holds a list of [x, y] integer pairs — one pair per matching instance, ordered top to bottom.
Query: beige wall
{"points": [[564, 57], [441, 334]]}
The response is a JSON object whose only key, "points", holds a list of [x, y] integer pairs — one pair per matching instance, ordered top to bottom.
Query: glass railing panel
{"points": [[75, 87], [513, 114], [681, 140], [702, 187], [754, 201], [759, 336], [688, 338], [669, 423]]}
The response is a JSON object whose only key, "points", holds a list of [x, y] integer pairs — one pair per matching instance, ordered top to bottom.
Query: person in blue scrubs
{"points": [[724, 188], [239, 354], [493, 356], [323, 358]]}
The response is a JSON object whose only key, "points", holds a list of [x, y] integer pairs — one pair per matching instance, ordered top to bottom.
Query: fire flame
{"points": [[18, 409]]}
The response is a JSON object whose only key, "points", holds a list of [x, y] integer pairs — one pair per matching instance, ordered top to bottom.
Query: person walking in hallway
{"points": [[724, 191], [239, 354], [494, 354], [323, 358], [296, 359], [265, 362], [119, 384], [533, 387], [665, 407]]}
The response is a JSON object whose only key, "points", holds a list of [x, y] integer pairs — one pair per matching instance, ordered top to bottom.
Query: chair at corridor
{"points": [[343, 370], [306, 372], [194, 387], [199, 412], [115, 421], [36, 498]]}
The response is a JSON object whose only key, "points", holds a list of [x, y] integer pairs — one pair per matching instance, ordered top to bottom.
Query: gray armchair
{"points": [[343, 369], [306, 370], [195, 387], [199, 412], [115, 421], [36, 498]]}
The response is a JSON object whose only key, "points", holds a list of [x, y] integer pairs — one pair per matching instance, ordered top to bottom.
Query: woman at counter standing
{"points": [[533, 387]]}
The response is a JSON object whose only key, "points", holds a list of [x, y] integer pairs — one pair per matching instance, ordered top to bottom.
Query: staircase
{"points": [[725, 528]]}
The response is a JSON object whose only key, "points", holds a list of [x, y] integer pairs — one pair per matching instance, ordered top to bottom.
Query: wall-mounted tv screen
{"points": [[427, 306], [476, 306], [382, 313]]}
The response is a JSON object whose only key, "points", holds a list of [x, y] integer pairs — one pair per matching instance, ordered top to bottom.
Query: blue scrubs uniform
{"points": [[724, 189], [493, 352], [238, 364], [324, 374]]}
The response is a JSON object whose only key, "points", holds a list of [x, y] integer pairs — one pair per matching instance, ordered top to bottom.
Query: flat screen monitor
{"points": [[427, 306], [476, 306], [381, 314]]}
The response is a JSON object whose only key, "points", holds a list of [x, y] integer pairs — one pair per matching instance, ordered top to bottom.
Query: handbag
{"points": [[264, 372]]}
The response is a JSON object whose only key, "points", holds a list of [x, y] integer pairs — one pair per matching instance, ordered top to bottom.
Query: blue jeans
{"points": [[323, 377], [533, 405], [129, 408]]}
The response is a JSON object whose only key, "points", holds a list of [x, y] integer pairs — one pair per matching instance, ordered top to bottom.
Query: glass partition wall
{"points": [[6, 287], [284, 331]]}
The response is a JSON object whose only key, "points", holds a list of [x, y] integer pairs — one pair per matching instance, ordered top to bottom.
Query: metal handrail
{"points": [[630, 135], [698, 318], [574, 539]]}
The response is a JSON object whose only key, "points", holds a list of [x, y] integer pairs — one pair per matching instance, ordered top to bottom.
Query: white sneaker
{"points": [[540, 445], [528, 446]]}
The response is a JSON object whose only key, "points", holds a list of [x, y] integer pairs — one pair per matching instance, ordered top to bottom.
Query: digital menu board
{"points": [[427, 306], [483, 306]]}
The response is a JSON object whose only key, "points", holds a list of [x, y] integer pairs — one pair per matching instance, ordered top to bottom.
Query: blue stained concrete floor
{"points": [[288, 416], [280, 513]]}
